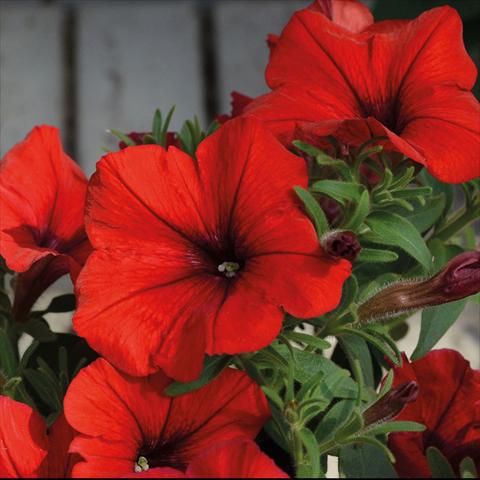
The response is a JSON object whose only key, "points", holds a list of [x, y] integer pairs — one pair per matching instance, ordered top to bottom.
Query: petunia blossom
{"points": [[349, 14], [405, 83], [42, 233], [195, 256], [448, 404], [127, 424], [27, 450], [238, 458]]}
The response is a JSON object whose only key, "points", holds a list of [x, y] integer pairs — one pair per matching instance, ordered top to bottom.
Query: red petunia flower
{"points": [[352, 15], [408, 82], [238, 103], [42, 234], [195, 256], [448, 404], [126, 424], [26, 449], [239, 458]]}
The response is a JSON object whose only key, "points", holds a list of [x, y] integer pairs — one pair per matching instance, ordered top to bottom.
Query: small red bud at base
{"points": [[341, 244]]}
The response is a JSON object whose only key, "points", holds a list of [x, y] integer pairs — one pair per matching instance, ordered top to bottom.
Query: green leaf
{"points": [[157, 126], [164, 131], [123, 137], [307, 148], [339, 191], [412, 192], [313, 210], [360, 213], [423, 218], [399, 232], [373, 255], [349, 293], [62, 303], [435, 323], [38, 328], [311, 340], [356, 347], [8, 355], [213, 366], [336, 381], [386, 384], [46, 387], [274, 397], [336, 417], [352, 427], [389, 427], [311, 445], [365, 461], [439, 465], [467, 468]]}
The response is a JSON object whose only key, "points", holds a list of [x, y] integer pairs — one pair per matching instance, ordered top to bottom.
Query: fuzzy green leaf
{"points": [[339, 191], [313, 210], [360, 213], [395, 230], [374, 255], [435, 323], [389, 427], [438, 464]]}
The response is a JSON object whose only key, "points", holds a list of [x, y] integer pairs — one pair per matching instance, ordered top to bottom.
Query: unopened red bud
{"points": [[341, 244], [459, 278], [391, 404]]}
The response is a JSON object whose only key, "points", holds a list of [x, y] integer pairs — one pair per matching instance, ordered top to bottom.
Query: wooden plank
{"points": [[242, 28], [132, 58], [30, 69]]}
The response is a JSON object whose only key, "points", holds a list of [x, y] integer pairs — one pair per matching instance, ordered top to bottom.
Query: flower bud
{"points": [[341, 244], [459, 278], [391, 404]]}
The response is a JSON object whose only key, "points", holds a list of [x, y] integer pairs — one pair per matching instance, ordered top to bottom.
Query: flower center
{"points": [[229, 269], [141, 465]]}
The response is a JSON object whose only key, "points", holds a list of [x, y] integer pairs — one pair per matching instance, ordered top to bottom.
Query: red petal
{"points": [[349, 14], [287, 107], [444, 124], [139, 193], [43, 195], [305, 285], [245, 303], [157, 304], [446, 404], [230, 406], [117, 414], [23, 440], [240, 458], [60, 462]]}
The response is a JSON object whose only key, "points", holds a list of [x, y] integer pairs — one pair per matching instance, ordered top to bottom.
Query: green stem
{"points": [[459, 222], [297, 447]]}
